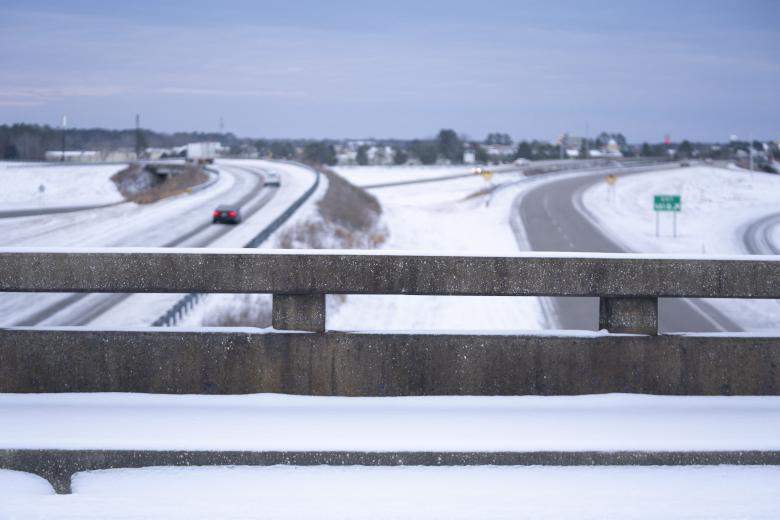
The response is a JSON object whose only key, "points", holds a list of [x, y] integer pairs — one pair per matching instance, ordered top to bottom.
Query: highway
{"points": [[15, 213], [554, 220], [193, 228]]}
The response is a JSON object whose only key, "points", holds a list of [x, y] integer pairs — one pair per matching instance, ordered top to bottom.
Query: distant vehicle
{"points": [[202, 153], [521, 162], [684, 164], [272, 179], [227, 214]]}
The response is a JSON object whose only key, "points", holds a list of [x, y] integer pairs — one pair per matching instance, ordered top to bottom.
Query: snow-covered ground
{"points": [[369, 175], [67, 185], [717, 204], [444, 216], [123, 225], [611, 422], [281, 492]]}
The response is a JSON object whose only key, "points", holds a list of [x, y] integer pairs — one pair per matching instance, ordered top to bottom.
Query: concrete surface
{"points": [[245, 271], [299, 312], [629, 315], [362, 364], [58, 466]]}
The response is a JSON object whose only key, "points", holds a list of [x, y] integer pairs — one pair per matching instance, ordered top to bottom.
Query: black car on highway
{"points": [[227, 214]]}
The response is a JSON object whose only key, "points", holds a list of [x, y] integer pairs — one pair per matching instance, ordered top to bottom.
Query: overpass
{"points": [[300, 355]]}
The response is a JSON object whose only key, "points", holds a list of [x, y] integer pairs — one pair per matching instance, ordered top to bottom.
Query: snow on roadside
{"points": [[368, 175], [66, 185], [716, 205], [444, 216]]}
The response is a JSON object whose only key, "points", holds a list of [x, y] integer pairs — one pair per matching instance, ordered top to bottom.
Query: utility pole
{"points": [[64, 124], [221, 125]]}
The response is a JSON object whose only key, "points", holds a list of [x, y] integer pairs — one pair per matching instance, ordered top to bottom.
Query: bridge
{"points": [[300, 355]]}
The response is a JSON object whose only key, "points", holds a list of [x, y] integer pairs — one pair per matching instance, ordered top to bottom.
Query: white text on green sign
{"points": [[667, 203]]}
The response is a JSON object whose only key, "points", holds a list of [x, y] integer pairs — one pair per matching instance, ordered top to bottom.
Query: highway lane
{"points": [[250, 193], [14, 213], [554, 220]]}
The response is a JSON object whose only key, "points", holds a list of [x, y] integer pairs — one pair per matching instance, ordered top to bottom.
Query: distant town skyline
{"points": [[698, 70]]}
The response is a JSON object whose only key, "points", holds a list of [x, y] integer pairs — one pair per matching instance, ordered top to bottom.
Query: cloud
{"points": [[230, 92], [38, 95], [17, 103]]}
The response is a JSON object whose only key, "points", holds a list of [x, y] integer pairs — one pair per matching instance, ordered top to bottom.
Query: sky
{"points": [[701, 70]]}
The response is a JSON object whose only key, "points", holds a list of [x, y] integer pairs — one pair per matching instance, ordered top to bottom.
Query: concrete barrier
{"points": [[346, 272], [322, 362], [356, 364], [58, 466]]}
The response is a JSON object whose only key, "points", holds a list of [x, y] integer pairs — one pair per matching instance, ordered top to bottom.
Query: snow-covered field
{"points": [[369, 175], [71, 185], [717, 204], [447, 216], [494, 492]]}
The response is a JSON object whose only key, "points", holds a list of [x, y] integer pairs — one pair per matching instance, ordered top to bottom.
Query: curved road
{"points": [[250, 193], [554, 220], [758, 236]]}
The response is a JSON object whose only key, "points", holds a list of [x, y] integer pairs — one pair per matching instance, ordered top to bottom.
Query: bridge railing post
{"points": [[299, 312], [629, 315]]}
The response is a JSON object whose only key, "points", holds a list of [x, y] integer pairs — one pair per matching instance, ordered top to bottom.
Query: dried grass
{"points": [[137, 184]]}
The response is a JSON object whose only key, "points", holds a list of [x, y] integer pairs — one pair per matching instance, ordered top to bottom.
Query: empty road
{"points": [[554, 220]]}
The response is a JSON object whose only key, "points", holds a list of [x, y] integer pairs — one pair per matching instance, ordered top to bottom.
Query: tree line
{"points": [[31, 142]]}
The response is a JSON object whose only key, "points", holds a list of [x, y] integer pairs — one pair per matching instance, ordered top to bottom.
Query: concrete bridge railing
{"points": [[301, 356], [632, 357]]}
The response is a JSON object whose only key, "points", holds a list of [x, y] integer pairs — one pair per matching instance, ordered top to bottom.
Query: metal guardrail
{"points": [[180, 309]]}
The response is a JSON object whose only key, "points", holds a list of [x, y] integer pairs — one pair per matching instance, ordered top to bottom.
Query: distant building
{"points": [[572, 145], [612, 149], [500, 151], [120, 155], [380, 155], [73, 156], [469, 157]]}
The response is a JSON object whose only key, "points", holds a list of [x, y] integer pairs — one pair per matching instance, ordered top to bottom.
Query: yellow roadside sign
{"points": [[487, 174], [611, 179]]}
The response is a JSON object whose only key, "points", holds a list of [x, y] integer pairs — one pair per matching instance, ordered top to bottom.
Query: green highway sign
{"points": [[667, 203]]}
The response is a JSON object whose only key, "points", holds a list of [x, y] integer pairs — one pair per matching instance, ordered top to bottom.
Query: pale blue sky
{"points": [[696, 69]]}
